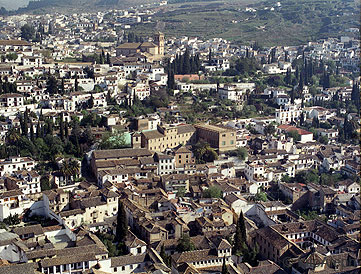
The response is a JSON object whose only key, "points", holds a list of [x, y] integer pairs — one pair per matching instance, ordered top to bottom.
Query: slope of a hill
{"points": [[42, 6], [271, 22]]}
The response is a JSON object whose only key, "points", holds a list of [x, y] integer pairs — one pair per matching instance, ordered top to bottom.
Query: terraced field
{"points": [[290, 22]]}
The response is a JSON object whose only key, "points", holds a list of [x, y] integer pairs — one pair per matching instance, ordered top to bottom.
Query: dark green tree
{"points": [[27, 32], [210, 54], [108, 58], [186, 69], [76, 84], [52, 86], [355, 95], [91, 102], [61, 127], [66, 130], [32, 135], [212, 192], [122, 224], [239, 243], [185, 244], [166, 258], [224, 266]]}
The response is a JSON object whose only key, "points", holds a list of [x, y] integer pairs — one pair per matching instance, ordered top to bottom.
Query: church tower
{"points": [[159, 41]]}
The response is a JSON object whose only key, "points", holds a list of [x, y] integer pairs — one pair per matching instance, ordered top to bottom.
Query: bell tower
{"points": [[159, 41]]}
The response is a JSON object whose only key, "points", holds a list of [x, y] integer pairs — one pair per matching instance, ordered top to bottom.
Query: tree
{"points": [[27, 32], [11, 56], [210, 56], [108, 58], [186, 69], [171, 80], [76, 84], [52, 86], [62, 86], [355, 95], [91, 102], [302, 118], [315, 122], [61, 127], [66, 130], [269, 130], [294, 134], [13, 136], [323, 140], [113, 141], [204, 153], [242, 153], [74, 167], [66, 170], [45, 183], [181, 192], [212, 192], [261, 196], [12, 220], [122, 224], [240, 238], [185, 244], [166, 258], [224, 266]]}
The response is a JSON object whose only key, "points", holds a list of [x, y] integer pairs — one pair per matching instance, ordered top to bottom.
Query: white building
{"points": [[288, 114], [13, 164]]}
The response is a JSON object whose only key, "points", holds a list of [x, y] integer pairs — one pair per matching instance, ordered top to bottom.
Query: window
{"points": [[223, 143], [115, 269]]}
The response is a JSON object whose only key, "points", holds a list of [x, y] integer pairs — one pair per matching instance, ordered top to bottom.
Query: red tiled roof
{"points": [[292, 128]]}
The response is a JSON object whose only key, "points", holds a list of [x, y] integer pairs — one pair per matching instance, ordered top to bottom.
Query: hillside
{"points": [[43, 6], [272, 22]]}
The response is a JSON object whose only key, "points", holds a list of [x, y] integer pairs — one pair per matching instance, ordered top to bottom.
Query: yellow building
{"points": [[155, 49], [168, 137], [219, 137]]}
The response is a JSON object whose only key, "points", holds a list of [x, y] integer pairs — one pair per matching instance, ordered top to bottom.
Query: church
{"points": [[153, 49]]}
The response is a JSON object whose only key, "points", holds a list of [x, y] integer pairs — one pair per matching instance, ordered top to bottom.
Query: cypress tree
{"points": [[108, 58], [180, 65], [186, 69], [297, 73], [288, 77], [172, 80], [300, 83], [76, 85], [62, 86], [355, 95], [293, 96], [91, 101], [22, 126], [61, 127], [50, 128], [38, 130], [66, 130], [32, 137], [122, 224], [240, 235], [224, 266]]}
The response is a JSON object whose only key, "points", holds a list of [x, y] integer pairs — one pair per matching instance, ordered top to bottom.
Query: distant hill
{"points": [[78, 5]]}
